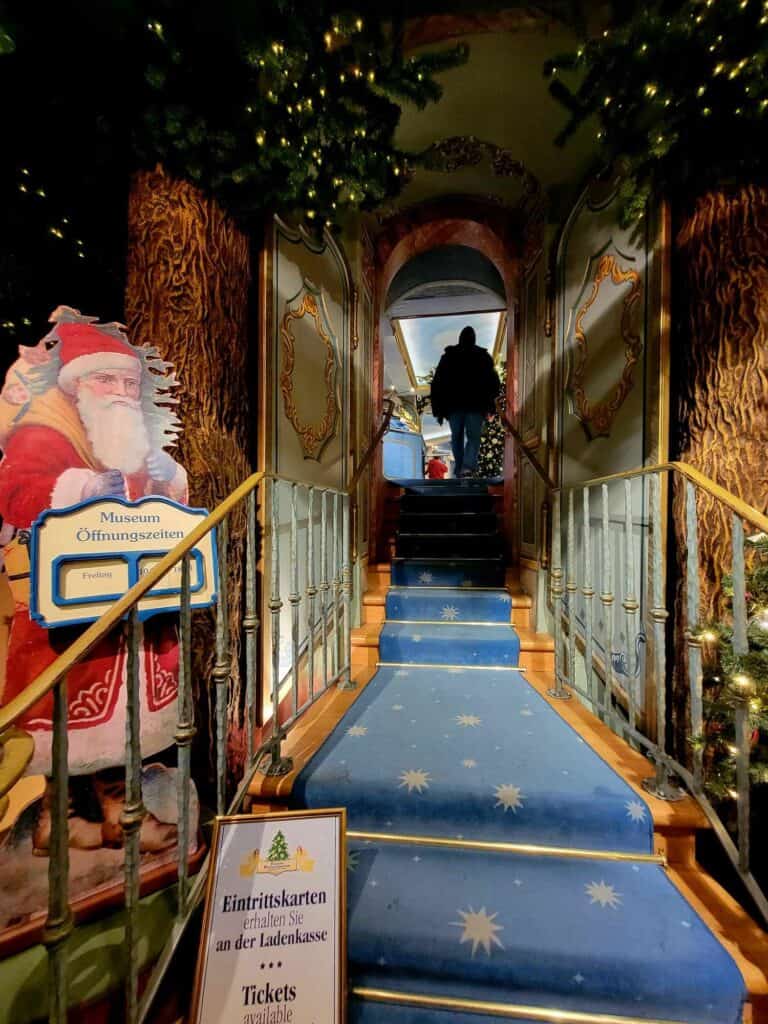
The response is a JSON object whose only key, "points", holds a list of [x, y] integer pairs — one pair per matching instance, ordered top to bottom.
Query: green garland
{"points": [[679, 93], [271, 107], [726, 675]]}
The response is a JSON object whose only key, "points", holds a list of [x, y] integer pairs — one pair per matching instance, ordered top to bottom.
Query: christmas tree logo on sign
{"points": [[279, 849], [278, 860]]}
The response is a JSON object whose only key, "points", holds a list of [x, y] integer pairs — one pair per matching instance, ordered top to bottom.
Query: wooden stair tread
{"points": [[530, 640]]}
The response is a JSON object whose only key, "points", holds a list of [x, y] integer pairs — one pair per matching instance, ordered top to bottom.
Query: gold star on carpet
{"points": [[468, 720], [415, 778], [509, 797], [604, 894], [479, 929]]}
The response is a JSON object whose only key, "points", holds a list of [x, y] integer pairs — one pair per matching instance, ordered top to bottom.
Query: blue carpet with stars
{"points": [[449, 742]]}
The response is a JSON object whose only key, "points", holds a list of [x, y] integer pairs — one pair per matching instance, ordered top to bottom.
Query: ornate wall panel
{"points": [[534, 370], [611, 410], [306, 416]]}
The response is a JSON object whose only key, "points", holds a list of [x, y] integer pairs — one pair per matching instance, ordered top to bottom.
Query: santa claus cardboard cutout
{"points": [[85, 414]]}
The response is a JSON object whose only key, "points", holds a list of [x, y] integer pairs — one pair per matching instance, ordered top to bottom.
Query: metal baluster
{"points": [[324, 585], [346, 585], [336, 586], [571, 589], [311, 590], [588, 593], [294, 599], [606, 599], [630, 603], [251, 624], [692, 639], [221, 668], [745, 690], [559, 691], [185, 732], [273, 763], [659, 785], [132, 816], [58, 923]]}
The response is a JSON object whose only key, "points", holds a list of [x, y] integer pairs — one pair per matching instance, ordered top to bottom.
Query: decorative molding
{"points": [[457, 151], [354, 305], [598, 418], [313, 436]]}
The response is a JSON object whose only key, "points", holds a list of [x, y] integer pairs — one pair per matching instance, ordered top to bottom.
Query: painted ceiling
{"points": [[499, 99], [426, 337]]}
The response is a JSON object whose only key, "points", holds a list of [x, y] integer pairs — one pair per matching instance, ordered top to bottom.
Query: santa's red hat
{"points": [[84, 349]]}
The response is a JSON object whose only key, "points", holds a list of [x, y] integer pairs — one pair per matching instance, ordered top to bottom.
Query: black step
{"points": [[437, 503], [448, 522], [445, 545]]}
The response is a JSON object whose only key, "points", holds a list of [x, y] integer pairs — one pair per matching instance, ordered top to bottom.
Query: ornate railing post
{"points": [[571, 588], [311, 590], [588, 593], [294, 599], [606, 599], [630, 603], [251, 624], [691, 634], [221, 668], [345, 683], [559, 692], [744, 692], [185, 733], [274, 763], [659, 785], [132, 816], [58, 923]]}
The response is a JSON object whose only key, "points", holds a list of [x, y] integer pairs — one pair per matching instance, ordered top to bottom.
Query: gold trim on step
{"points": [[445, 622], [431, 664], [522, 849], [511, 1011]]}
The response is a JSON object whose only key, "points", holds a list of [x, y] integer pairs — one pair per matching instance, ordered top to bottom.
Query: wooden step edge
{"points": [[375, 597], [368, 635], [530, 640], [307, 736], [675, 819], [746, 942]]}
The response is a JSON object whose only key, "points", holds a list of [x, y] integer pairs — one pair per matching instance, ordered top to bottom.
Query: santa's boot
{"points": [[83, 834], [155, 835]]}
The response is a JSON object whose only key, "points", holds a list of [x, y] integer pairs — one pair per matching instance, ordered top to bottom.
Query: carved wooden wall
{"points": [[188, 278], [721, 362]]}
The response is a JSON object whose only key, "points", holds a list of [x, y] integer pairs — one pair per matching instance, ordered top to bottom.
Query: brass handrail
{"points": [[383, 427], [514, 432], [741, 508], [50, 676]]}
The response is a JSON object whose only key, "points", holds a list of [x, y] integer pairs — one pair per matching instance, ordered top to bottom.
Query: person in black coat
{"points": [[464, 391]]}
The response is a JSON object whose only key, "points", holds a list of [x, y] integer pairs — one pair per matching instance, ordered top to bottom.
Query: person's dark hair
{"points": [[467, 336]]}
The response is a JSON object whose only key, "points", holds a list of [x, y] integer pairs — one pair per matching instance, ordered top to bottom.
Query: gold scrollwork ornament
{"points": [[313, 436]]}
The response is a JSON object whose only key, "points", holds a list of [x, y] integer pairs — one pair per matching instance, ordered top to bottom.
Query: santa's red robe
{"points": [[45, 468]]}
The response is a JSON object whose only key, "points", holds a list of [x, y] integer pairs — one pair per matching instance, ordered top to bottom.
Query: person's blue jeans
{"points": [[467, 425]]}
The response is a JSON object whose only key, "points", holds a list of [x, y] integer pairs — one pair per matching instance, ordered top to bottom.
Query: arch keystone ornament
{"points": [[597, 417], [313, 432]]}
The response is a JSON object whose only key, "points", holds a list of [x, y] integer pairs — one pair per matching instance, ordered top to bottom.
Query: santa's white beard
{"points": [[116, 431]]}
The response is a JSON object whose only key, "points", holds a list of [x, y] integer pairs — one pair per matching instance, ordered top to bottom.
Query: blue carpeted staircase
{"points": [[497, 865]]}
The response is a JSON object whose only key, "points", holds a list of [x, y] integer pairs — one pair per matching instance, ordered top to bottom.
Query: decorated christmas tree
{"points": [[490, 461], [728, 676], [279, 848]]}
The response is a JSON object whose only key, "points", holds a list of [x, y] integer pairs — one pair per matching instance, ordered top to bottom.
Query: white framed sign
{"points": [[84, 558], [273, 944]]}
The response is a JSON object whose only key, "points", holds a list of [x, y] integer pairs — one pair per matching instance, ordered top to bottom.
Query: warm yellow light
{"points": [[359, 24], [328, 39], [651, 89], [260, 137], [311, 214], [708, 636], [742, 680], [733, 750]]}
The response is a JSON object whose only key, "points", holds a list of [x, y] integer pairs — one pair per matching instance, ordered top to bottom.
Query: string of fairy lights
{"points": [[664, 78], [304, 125]]}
